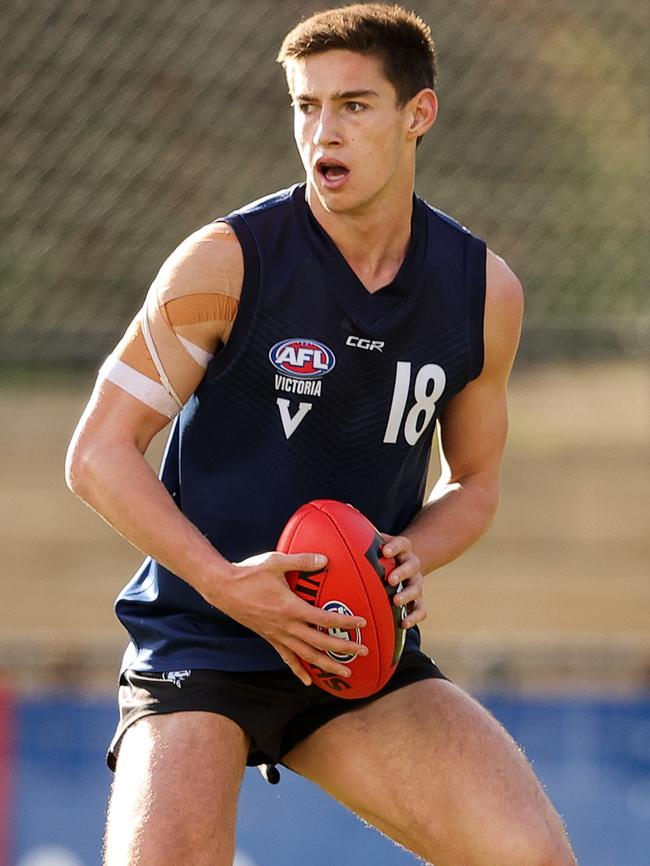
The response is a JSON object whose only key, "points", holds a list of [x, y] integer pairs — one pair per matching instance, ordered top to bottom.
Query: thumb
{"points": [[304, 561]]}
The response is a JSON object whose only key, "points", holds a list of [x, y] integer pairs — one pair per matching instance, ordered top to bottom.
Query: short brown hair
{"points": [[400, 39]]}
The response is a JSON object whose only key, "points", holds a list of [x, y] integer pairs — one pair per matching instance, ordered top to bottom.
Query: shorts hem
{"points": [[273, 708]]}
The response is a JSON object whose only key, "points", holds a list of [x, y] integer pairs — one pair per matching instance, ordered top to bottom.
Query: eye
{"points": [[304, 107], [355, 107]]}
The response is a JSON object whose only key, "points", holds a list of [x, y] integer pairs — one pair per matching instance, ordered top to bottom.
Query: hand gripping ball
{"points": [[354, 582]]}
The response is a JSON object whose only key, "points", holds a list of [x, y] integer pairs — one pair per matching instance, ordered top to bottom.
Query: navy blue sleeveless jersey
{"points": [[323, 391]]}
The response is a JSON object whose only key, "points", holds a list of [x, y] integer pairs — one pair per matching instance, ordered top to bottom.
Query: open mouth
{"points": [[333, 173]]}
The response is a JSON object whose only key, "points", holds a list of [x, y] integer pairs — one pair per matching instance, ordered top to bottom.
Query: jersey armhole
{"points": [[476, 285], [247, 302]]}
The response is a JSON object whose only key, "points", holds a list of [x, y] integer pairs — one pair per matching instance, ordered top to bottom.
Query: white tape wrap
{"points": [[139, 386]]}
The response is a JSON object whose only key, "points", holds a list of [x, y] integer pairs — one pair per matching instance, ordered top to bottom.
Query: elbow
{"points": [[79, 468], [74, 469], [482, 497], [490, 505]]}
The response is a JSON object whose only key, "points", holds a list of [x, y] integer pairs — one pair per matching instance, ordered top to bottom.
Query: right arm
{"points": [[107, 469]]}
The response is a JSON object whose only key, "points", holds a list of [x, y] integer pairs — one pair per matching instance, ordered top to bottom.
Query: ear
{"points": [[422, 112]]}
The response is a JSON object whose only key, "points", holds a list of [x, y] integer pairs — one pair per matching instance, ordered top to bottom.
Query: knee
{"points": [[526, 843], [519, 847], [545, 849], [554, 857]]}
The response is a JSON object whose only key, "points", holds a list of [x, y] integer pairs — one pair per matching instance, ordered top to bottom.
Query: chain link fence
{"points": [[125, 125]]}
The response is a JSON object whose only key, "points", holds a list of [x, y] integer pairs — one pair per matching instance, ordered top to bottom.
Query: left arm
{"points": [[473, 435]]}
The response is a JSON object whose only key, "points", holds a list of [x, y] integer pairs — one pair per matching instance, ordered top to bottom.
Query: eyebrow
{"points": [[340, 95]]}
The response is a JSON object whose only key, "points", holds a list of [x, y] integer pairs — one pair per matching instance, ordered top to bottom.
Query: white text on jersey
{"points": [[364, 343], [298, 386]]}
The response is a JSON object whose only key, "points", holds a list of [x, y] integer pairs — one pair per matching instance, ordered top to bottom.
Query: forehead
{"points": [[336, 71]]}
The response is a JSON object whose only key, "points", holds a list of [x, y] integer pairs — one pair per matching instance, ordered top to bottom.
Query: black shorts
{"points": [[274, 708]]}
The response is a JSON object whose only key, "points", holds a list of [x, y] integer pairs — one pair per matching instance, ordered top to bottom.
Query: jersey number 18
{"points": [[428, 389]]}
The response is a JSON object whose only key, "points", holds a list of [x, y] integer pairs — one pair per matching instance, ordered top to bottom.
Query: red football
{"points": [[354, 582]]}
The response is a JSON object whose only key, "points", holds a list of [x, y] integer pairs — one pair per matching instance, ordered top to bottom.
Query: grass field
{"points": [[557, 594]]}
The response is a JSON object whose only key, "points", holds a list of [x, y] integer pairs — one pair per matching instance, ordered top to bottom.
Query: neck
{"points": [[373, 241]]}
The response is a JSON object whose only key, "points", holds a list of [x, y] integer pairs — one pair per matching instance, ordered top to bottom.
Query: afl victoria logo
{"points": [[302, 358], [352, 635]]}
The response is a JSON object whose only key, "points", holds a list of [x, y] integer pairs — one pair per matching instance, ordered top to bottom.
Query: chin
{"points": [[327, 199], [340, 201], [332, 203]]}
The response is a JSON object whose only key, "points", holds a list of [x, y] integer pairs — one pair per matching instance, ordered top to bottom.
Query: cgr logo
{"points": [[364, 343], [302, 358], [353, 635]]}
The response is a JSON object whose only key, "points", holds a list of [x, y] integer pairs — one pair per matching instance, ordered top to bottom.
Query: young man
{"points": [[310, 341]]}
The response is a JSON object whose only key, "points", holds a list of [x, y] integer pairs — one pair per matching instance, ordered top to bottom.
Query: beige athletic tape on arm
{"points": [[188, 312], [166, 350]]}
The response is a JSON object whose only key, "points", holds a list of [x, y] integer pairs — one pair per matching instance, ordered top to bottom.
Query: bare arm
{"points": [[473, 429], [105, 464], [107, 469]]}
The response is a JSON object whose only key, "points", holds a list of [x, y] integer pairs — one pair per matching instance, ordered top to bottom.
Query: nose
{"points": [[327, 132]]}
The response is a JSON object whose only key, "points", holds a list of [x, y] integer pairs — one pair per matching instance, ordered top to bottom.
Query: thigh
{"points": [[431, 768], [175, 791]]}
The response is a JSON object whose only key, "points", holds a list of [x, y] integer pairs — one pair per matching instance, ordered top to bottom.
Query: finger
{"points": [[396, 545], [405, 571], [409, 592], [417, 614], [330, 619], [321, 638], [326, 642], [321, 660], [292, 661]]}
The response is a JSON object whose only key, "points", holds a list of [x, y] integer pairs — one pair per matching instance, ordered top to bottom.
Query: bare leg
{"points": [[433, 770], [174, 796]]}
